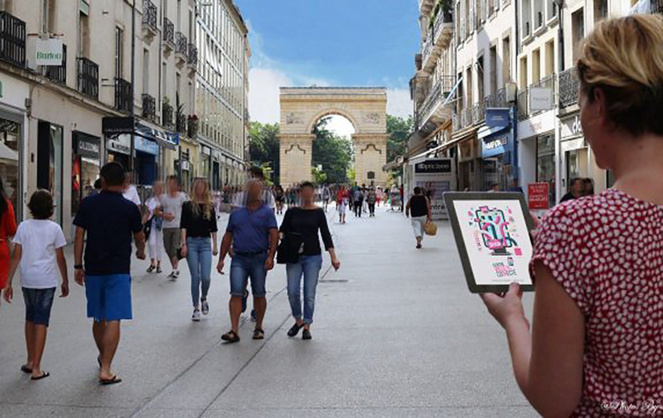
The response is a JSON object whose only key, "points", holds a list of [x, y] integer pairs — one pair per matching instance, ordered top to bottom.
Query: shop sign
{"points": [[49, 52], [540, 98], [498, 117], [117, 125], [536, 125], [571, 127], [120, 144], [145, 145], [495, 145], [86, 146], [206, 150], [185, 165], [433, 166], [538, 195]]}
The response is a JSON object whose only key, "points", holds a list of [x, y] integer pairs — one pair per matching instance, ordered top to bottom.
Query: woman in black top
{"points": [[419, 207], [305, 222], [198, 224]]}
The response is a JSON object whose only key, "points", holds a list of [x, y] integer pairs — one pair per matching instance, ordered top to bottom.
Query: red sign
{"points": [[538, 195]]}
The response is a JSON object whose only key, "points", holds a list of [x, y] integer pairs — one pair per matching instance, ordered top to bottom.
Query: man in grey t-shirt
{"points": [[171, 211]]}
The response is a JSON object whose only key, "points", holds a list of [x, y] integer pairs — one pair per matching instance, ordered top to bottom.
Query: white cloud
{"points": [[264, 93], [399, 103], [340, 126]]}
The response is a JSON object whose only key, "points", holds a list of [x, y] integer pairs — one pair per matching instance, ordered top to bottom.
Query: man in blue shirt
{"points": [[110, 221], [252, 230]]}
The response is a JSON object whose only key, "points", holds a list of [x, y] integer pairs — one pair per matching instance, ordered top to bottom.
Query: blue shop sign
{"points": [[498, 117], [496, 144], [145, 145]]}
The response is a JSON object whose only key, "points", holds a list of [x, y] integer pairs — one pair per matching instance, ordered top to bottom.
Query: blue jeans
{"points": [[199, 259], [244, 266], [308, 266]]}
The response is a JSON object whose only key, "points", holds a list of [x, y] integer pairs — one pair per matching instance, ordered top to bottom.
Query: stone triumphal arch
{"points": [[303, 107]]}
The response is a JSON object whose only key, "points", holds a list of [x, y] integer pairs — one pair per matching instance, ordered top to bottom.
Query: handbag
{"points": [[147, 228], [430, 228], [289, 248]]}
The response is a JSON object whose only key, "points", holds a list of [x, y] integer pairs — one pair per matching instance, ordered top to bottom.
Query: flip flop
{"points": [[258, 334], [230, 337], [26, 370], [44, 375], [111, 381]]}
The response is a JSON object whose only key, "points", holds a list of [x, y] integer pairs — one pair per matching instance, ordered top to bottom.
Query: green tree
{"points": [[398, 129], [264, 146], [331, 151]]}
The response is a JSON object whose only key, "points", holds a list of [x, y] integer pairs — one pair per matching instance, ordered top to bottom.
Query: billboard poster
{"points": [[436, 176], [538, 195]]}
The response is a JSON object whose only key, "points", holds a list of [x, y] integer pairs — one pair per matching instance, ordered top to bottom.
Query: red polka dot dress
{"points": [[607, 253]]}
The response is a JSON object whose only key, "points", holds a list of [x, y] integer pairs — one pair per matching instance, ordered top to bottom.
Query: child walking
{"points": [[39, 250]]}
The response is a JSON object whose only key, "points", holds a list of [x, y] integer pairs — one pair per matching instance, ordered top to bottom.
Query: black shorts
{"points": [[38, 304]]}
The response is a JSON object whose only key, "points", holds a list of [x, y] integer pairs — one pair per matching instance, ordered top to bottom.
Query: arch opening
{"points": [[332, 150]]}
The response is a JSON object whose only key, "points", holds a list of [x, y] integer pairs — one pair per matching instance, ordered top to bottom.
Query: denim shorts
{"points": [[244, 266], [108, 297], [38, 303]]}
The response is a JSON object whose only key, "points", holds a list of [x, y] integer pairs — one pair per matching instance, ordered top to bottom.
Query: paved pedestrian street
{"points": [[397, 334]]}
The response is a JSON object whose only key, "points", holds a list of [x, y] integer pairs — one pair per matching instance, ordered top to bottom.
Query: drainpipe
{"points": [[133, 84]]}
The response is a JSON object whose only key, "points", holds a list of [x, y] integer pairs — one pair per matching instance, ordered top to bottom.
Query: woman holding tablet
{"points": [[597, 335]]}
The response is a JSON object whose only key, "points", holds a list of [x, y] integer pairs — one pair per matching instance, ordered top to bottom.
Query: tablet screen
{"points": [[496, 240]]}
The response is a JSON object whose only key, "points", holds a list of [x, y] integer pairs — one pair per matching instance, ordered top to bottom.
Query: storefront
{"points": [[118, 149], [498, 150], [537, 152], [574, 152], [50, 156], [86, 160], [205, 162], [469, 163], [146, 167], [216, 170]]}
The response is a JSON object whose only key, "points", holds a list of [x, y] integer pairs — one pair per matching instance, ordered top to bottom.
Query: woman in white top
{"points": [[155, 239]]}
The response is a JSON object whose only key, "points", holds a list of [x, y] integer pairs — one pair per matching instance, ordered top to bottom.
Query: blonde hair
{"points": [[624, 58], [205, 200]]}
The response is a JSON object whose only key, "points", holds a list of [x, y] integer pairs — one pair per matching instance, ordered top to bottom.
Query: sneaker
{"points": [[150, 269], [159, 271], [172, 275], [204, 306], [196, 316]]}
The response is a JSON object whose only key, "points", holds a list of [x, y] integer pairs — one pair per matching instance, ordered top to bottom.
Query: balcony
{"points": [[425, 6], [657, 6], [443, 28], [150, 29], [168, 37], [12, 39], [181, 49], [430, 54], [192, 59], [58, 75], [88, 77], [547, 82], [568, 88], [123, 95], [498, 99], [522, 102], [149, 107], [479, 112], [166, 113], [432, 113], [466, 117], [455, 122], [180, 123]]}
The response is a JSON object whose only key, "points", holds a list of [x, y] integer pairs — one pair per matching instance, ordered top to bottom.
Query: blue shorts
{"points": [[245, 266], [108, 297], [38, 303]]}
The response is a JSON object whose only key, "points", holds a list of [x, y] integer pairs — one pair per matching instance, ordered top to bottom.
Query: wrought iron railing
{"points": [[150, 15], [445, 15], [168, 31], [12, 39], [181, 43], [427, 49], [193, 55], [59, 74], [88, 77], [547, 82], [568, 87], [123, 95], [436, 95], [498, 99], [522, 103], [149, 107], [479, 112], [167, 114], [466, 117], [455, 122], [180, 123]]}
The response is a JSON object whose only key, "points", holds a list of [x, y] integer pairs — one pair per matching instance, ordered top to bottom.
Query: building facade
{"points": [[84, 83], [511, 94]]}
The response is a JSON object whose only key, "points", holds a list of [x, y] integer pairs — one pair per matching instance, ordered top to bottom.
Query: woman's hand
{"points": [[184, 250], [215, 250], [336, 264], [9, 293], [507, 308]]}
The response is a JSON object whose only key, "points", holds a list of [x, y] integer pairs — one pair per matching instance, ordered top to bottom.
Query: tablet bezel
{"points": [[449, 199]]}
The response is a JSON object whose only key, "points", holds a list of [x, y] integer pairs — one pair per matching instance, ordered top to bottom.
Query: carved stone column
{"points": [[296, 153], [370, 158]]}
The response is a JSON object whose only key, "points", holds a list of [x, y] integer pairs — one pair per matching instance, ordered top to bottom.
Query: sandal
{"points": [[295, 330], [258, 334], [230, 337], [25, 369], [43, 375], [113, 380]]}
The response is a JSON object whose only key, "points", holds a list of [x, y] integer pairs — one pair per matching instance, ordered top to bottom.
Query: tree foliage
{"points": [[398, 129], [264, 146], [331, 151]]}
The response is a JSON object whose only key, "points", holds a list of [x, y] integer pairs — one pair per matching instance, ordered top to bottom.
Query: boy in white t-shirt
{"points": [[39, 249]]}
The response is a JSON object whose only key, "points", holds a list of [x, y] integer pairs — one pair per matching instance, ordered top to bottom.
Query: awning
{"points": [[167, 139], [431, 152]]}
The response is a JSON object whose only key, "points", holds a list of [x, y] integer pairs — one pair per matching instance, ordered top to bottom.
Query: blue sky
{"points": [[330, 43]]}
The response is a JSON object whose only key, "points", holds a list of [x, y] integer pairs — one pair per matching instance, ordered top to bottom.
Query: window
{"points": [[551, 9], [600, 10], [538, 14], [49, 15], [179, 16], [526, 18], [467, 19], [577, 31], [83, 35], [118, 52], [550, 58], [506, 60], [536, 66], [493, 70], [146, 71], [523, 73], [164, 79], [480, 80], [460, 95], [470, 96]]}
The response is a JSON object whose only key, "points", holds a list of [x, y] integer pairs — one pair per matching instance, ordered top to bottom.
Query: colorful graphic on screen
{"points": [[494, 229]]}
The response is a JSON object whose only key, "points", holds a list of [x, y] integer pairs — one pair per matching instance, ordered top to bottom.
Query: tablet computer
{"points": [[492, 232]]}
